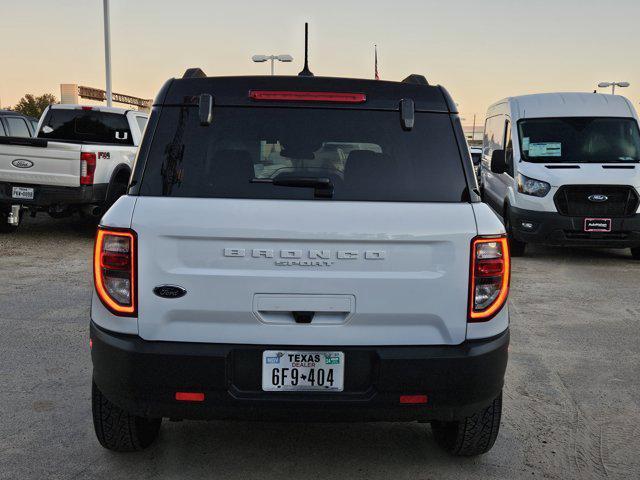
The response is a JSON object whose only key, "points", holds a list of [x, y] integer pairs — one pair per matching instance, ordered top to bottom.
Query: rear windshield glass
{"points": [[89, 126], [18, 127], [579, 140], [363, 155]]}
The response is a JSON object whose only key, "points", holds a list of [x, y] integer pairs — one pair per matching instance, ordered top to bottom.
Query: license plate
{"points": [[22, 192], [597, 224], [286, 371]]}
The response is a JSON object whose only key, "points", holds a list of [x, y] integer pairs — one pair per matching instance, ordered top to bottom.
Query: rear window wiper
{"points": [[323, 186]]}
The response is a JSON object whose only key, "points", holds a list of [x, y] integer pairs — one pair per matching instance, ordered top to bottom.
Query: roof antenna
{"points": [[305, 71]]}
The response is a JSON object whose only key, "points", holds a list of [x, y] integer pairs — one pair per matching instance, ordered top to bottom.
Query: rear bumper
{"points": [[48, 195], [551, 228], [142, 377]]}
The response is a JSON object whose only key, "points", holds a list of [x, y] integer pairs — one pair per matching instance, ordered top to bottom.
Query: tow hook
{"points": [[14, 216]]}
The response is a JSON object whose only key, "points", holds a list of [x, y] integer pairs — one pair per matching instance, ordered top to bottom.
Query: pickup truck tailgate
{"points": [[43, 163]]}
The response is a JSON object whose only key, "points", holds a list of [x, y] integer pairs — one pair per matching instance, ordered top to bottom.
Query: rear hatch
{"points": [[37, 162], [303, 226]]}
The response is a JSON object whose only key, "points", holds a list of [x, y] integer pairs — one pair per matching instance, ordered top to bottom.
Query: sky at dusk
{"points": [[481, 50]]}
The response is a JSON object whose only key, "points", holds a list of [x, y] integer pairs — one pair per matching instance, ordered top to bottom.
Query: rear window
{"points": [[90, 126], [17, 127], [365, 155]]}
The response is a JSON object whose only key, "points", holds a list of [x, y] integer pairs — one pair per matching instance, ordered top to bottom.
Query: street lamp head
{"points": [[259, 58], [285, 58], [604, 84], [623, 84]]}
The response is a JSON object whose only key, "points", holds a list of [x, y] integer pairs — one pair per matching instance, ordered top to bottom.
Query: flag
{"points": [[377, 77]]}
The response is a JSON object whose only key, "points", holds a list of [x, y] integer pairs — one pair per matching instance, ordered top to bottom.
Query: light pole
{"points": [[107, 50], [273, 58], [613, 85]]}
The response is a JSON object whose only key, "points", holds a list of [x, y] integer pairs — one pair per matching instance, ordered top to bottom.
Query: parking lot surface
{"points": [[571, 405]]}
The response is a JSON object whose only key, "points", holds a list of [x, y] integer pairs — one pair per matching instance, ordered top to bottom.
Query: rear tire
{"points": [[115, 191], [635, 253], [117, 429], [472, 436]]}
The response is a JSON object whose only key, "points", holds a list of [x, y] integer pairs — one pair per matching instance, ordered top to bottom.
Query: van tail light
{"points": [[87, 168], [114, 270], [490, 275]]}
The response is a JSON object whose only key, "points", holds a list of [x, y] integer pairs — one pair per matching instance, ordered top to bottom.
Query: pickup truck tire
{"points": [[117, 188], [635, 253], [117, 429], [472, 436]]}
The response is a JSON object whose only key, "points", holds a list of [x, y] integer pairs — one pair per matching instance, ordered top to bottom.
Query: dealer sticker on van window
{"points": [[525, 144], [545, 149]]}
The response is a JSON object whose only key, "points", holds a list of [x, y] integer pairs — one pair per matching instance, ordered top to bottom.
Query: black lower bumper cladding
{"points": [[49, 195], [552, 228], [143, 377]]}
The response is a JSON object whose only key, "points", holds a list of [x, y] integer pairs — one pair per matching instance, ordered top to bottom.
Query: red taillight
{"points": [[289, 96], [87, 108], [87, 168], [114, 272], [490, 272], [190, 396]]}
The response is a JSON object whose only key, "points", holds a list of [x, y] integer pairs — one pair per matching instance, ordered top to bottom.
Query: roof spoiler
{"points": [[194, 73], [416, 79]]}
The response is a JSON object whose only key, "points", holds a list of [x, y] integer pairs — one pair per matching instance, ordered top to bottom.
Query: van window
{"points": [[90, 126], [17, 127], [2, 132], [493, 134], [579, 140], [508, 148], [365, 154]]}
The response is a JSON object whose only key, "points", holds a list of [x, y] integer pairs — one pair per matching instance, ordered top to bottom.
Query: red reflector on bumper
{"points": [[189, 396], [409, 399]]}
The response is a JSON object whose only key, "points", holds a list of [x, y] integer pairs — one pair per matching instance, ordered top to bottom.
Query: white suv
{"points": [[301, 248]]}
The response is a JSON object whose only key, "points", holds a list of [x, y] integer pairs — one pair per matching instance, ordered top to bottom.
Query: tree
{"points": [[34, 106]]}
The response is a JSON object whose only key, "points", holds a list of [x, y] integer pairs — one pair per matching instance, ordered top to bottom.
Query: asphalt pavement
{"points": [[571, 404]]}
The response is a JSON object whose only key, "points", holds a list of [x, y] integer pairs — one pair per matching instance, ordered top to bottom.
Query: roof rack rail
{"points": [[194, 73], [416, 79]]}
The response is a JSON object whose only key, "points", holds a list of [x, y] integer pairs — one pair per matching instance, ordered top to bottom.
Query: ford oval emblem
{"points": [[22, 163], [598, 198], [169, 291]]}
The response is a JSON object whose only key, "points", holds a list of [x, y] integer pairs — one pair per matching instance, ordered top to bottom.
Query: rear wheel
{"points": [[115, 191], [516, 247], [635, 253], [117, 429], [473, 435]]}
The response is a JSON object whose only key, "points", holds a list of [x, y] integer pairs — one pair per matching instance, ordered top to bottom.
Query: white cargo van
{"points": [[563, 169]]}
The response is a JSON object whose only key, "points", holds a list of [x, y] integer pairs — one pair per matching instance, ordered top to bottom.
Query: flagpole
{"points": [[375, 73]]}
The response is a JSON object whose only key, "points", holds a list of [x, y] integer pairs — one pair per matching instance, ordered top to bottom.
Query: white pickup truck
{"points": [[80, 161]]}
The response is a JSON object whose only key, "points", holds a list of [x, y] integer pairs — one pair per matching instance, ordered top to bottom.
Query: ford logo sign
{"points": [[22, 163], [598, 198], [169, 291]]}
